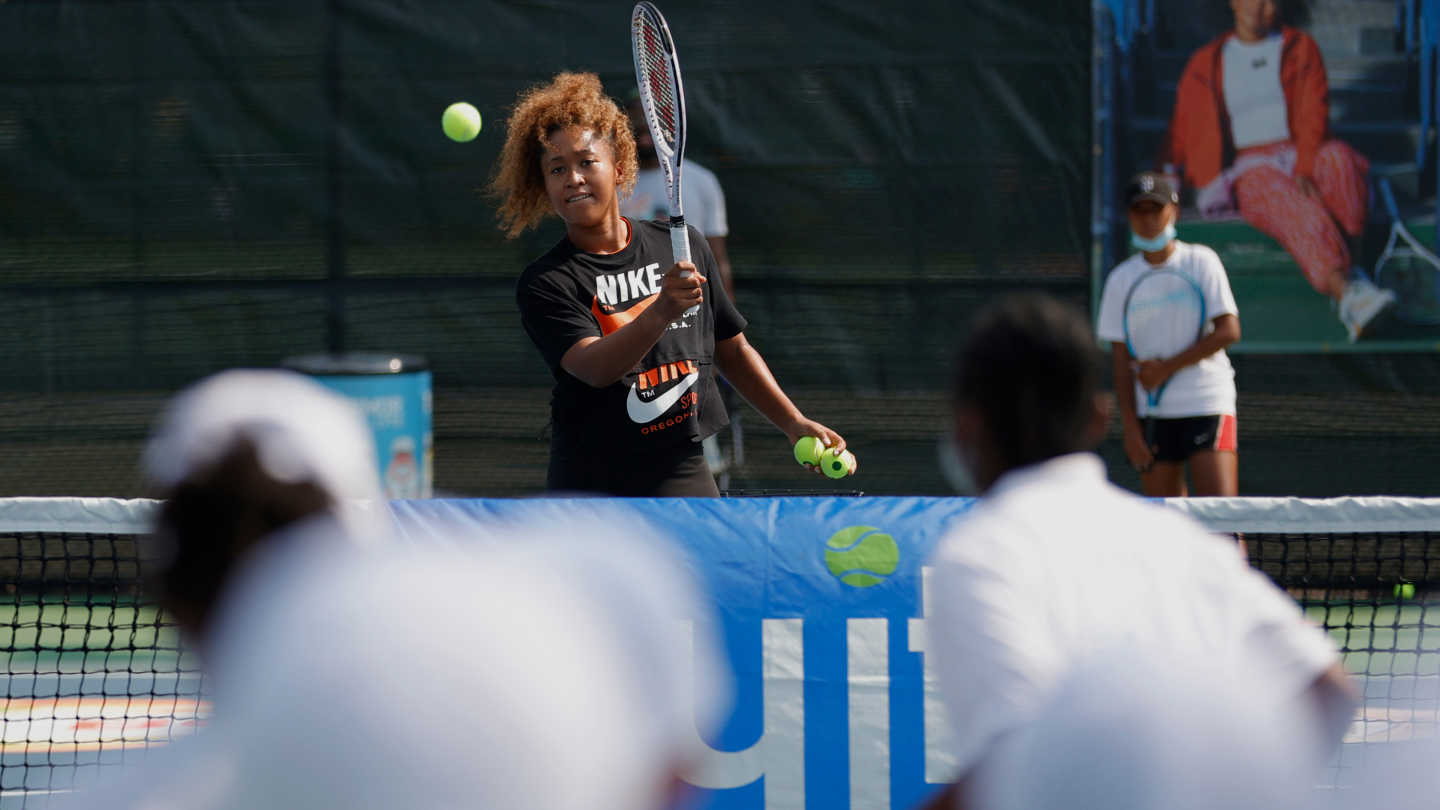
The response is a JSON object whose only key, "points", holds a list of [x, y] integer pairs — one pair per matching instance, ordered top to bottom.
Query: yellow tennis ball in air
{"points": [[461, 122], [808, 450], [837, 466], [1405, 590]]}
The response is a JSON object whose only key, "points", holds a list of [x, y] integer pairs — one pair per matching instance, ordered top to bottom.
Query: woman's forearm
{"points": [[599, 362], [745, 370]]}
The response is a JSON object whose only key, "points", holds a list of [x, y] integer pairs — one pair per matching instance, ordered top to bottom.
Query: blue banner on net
{"points": [[825, 620]]}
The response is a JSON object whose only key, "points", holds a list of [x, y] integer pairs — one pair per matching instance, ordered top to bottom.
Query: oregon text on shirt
{"points": [[1205, 388], [1057, 565]]}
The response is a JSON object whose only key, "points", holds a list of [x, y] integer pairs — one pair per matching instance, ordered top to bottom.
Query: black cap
{"points": [[1150, 186]]}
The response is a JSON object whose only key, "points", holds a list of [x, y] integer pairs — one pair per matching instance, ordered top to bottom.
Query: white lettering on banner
{"points": [[637, 283], [605, 287], [386, 412], [867, 646], [779, 754], [940, 764]]}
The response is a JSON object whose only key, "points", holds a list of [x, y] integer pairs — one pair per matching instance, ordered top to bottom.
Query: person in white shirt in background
{"points": [[704, 204], [1195, 418], [1055, 567]]}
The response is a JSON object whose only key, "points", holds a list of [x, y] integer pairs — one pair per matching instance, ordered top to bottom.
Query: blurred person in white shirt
{"points": [[265, 475], [1055, 565], [506, 666], [536, 673], [1136, 729]]}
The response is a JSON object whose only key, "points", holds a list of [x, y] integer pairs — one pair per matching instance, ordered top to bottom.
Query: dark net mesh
{"points": [[1375, 595], [94, 674]]}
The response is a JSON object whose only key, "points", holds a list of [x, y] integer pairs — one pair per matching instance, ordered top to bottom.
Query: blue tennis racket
{"points": [[1164, 316]]}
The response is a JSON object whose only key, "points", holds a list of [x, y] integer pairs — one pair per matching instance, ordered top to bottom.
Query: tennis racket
{"points": [[662, 97], [1408, 268], [1164, 316]]}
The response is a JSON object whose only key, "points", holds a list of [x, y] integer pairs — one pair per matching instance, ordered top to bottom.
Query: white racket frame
{"points": [[671, 156], [1411, 247]]}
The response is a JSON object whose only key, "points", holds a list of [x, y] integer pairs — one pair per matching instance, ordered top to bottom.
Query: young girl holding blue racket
{"points": [[1169, 314]]}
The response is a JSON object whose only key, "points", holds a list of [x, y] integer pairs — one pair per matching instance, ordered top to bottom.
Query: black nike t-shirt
{"points": [[671, 396]]}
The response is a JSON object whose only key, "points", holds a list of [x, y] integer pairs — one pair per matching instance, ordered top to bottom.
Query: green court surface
{"points": [[1280, 313], [73, 638], [1382, 638]]}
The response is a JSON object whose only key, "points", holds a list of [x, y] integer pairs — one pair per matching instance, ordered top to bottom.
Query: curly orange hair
{"points": [[571, 100]]}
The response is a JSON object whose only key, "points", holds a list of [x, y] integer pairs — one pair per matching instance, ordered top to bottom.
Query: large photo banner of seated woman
{"points": [[1280, 123]]}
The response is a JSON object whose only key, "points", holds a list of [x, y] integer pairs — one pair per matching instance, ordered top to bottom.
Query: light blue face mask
{"points": [[1158, 243], [954, 467]]}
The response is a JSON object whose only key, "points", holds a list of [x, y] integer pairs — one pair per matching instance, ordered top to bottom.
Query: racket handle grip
{"points": [[680, 245]]}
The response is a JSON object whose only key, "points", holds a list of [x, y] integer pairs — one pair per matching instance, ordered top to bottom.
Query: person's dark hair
{"points": [[1294, 13], [1030, 367], [211, 520]]}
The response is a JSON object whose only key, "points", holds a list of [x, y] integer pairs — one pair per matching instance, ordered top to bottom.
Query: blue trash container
{"points": [[394, 393]]}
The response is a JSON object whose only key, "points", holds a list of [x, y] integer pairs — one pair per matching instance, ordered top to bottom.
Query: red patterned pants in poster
{"points": [[1312, 230]]}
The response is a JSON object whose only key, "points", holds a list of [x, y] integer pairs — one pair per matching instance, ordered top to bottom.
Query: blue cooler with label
{"points": [[394, 393]]}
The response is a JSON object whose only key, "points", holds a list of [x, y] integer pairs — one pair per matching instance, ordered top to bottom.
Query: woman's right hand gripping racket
{"points": [[662, 98], [1164, 316]]}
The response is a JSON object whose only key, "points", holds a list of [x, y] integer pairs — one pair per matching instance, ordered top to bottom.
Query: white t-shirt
{"points": [[1253, 94], [700, 194], [1202, 389], [1056, 567]]}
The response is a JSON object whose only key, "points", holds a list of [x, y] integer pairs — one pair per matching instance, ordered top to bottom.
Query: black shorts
{"points": [[1178, 439], [586, 470]]}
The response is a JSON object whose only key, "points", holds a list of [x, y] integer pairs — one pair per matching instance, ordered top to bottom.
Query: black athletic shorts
{"points": [[1178, 439], [585, 470]]}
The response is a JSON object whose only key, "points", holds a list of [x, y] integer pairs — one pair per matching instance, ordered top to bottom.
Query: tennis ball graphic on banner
{"points": [[861, 556]]}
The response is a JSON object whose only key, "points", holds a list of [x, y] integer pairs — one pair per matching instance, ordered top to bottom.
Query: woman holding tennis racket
{"points": [[1169, 314], [633, 338]]}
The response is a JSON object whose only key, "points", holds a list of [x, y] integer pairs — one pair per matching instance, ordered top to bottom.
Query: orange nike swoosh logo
{"points": [[611, 321]]}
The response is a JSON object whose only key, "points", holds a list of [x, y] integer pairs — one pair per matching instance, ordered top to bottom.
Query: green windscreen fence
{"points": [[192, 185], [189, 186]]}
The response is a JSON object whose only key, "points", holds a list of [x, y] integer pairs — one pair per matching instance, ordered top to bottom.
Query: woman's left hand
{"points": [[833, 441]]}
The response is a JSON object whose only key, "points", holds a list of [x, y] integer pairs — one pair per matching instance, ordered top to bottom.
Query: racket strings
{"points": [[657, 79], [1163, 317]]}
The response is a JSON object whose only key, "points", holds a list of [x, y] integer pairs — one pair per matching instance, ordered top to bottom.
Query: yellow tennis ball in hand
{"points": [[461, 122], [808, 450], [837, 465]]}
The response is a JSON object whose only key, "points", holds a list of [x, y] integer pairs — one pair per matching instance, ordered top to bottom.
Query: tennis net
{"points": [[1368, 571], [95, 675]]}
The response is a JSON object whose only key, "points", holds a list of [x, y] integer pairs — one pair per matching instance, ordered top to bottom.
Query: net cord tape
{"points": [[1257, 515], [1312, 515]]}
